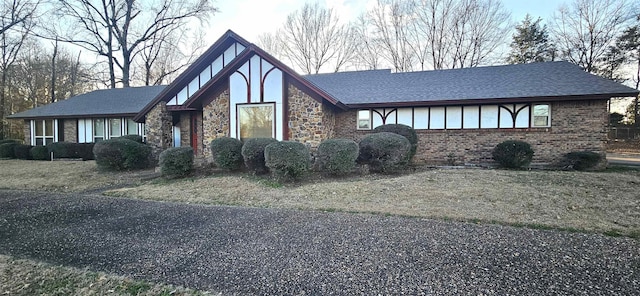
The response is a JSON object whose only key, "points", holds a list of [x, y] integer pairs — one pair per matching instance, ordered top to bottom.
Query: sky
{"points": [[250, 18]]}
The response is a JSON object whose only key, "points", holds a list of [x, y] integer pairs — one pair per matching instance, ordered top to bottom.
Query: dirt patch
{"points": [[64, 176], [605, 202], [27, 277]]}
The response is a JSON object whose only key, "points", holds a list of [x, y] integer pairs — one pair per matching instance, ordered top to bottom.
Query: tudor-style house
{"points": [[238, 90]]}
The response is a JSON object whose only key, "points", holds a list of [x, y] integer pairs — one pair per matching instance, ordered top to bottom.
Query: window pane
{"points": [[541, 115], [364, 119], [256, 121], [115, 127], [132, 127], [39, 128], [48, 128], [98, 128], [48, 141], [39, 142]]}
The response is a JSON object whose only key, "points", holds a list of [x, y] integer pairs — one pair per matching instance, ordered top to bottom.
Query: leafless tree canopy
{"points": [[585, 29], [121, 30], [312, 38]]}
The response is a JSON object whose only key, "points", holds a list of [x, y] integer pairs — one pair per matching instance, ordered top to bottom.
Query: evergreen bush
{"points": [[403, 130], [135, 138], [10, 141], [6, 150], [62, 150], [22, 151], [385, 152], [40, 153], [227, 153], [121, 154], [253, 154], [513, 154], [337, 156], [287, 160], [582, 160], [176, 162]]}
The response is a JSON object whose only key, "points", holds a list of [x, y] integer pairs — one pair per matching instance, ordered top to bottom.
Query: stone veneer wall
{"points": [[310, 121], [215, 122], [575, 126], [159, 128], [70, 130]]}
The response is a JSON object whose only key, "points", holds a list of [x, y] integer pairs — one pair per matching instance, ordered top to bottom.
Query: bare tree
{"points": [[16, 22], [391, 23], [118, 30], [584, 30], [313, 37], [368, 55]]}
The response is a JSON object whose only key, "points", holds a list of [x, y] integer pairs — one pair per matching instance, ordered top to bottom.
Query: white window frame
{"points": [[363, 111], [273, 117], [533, 117], [44, 137]]}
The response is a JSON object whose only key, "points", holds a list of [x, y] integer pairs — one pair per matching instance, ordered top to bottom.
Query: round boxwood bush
{"points": [[403, 130], [135, 138], [6, 150], [22, 151], [385, 152], [40, 153], [227, 153], [121, 154], [253, 154], [513, 154], [337, 156], [287, 160], [582, 160], [176, 162]]}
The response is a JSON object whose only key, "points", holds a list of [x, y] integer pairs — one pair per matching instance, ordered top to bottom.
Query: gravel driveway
{"points": [[253, 251]]}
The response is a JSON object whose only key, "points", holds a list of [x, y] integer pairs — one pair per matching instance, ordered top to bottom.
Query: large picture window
{"points": [[256, 121], [115, 127], [132, 127], [44, 132]]}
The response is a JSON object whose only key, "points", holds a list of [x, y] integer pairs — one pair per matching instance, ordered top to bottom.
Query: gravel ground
{"points": [[249, 251]]}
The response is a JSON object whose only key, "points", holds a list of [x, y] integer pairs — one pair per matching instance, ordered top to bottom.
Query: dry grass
{"points": [[65, 176], [606, 202], [26, 277]]}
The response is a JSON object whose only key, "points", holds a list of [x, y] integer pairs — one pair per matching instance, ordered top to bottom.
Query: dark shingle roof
{"points": [[551, 79], [97, 103]]}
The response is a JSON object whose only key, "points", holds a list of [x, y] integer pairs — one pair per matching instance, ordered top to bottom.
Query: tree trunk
{"points": [[53, 71]]}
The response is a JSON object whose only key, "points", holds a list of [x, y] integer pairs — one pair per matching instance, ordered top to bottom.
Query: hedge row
{"points": [[13, 149], [122, 154]]}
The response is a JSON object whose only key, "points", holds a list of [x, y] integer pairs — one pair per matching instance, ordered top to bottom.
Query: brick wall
{"points": [[575, 126], [26, 129], [70, 130]]}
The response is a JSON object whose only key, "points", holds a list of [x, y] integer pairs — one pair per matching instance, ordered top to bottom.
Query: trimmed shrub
{"points": [[403, 130], [135, 138], [10, 141], [6, 150], [61, 150], [71, 150], [22, 151], [84, 151], [385, 152], [40, 153], [227, 153], [121, 154], [253, 154], [513, 154], [337, 156], [287, 160], [582, 160], [176, 162]]}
